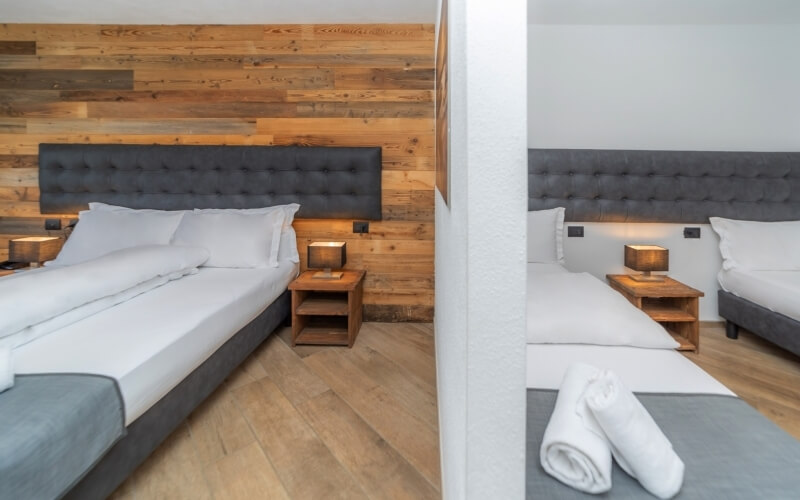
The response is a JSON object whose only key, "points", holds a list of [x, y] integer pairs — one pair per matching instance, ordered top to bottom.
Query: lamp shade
{"points": [[34, 249], [327, 255], [646, 258]]}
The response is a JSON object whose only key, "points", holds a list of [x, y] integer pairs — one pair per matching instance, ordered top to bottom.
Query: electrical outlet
{"points": [[52, 224], [360, 226], [575, 231], [691, 232]]}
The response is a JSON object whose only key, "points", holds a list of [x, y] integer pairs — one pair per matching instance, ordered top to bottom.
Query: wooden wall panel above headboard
{"points": [[325, 85]]}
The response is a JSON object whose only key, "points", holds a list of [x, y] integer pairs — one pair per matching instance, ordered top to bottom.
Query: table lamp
{"points": [[34, 249], [327, 255], [646, 258]]}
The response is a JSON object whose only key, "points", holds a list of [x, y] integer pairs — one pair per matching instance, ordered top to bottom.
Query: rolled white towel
{"points": [[6, 369], [637, 443], [574, 449]]}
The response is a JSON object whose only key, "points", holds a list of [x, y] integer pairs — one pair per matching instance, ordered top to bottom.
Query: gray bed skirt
{"points": [[781, 330], [154, 426], [730, 450]]}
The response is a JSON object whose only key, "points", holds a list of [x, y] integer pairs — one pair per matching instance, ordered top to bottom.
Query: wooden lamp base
{"points": [[328, 275], [647, 276]]}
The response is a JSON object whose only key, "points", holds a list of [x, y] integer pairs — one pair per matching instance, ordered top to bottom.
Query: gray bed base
{"points": [[676, 186], [777, 328], [147, 432]]}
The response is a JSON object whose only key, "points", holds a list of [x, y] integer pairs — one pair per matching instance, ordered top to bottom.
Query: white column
{"points": [[480, 255]]}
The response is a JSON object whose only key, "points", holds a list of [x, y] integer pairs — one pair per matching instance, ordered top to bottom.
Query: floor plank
{"points": [[408, 349], [288, 372], [764, 375], [415, 396], [218, 427], [277, 429], [414, 439], [293, 448], [380, 470], [173, 471], [243, 475]]}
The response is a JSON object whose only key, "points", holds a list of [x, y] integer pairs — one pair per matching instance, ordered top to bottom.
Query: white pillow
{"points": [[96, 205], [100, 232], [545, 235], [233, 239], [288, 243], [758, 246], [577, 308]]}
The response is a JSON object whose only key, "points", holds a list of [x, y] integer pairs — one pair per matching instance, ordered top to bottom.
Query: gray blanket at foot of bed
{"points": [[53, 428], [729, 449]]}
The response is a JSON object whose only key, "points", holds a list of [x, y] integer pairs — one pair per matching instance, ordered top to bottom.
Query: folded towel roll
{"points": [[6, 369], [637, 443], [574, 449]]}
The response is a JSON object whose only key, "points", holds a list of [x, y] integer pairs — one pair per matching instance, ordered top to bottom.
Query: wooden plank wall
{"points": [[349, 85]]}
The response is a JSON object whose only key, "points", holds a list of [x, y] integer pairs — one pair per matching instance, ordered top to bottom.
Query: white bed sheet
{"points": [[778, 291], [151, 342], [641, 370]]}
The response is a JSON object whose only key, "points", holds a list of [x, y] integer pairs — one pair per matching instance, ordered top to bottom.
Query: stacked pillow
{"points": [[249, 238]]}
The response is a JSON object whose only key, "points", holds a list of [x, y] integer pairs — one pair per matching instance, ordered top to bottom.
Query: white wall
{"points": [[673, 87], [480, 258], [694, 262]]}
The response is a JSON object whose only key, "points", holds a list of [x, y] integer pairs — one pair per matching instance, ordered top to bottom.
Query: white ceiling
{"points": [[217, 11], [663, 11]]}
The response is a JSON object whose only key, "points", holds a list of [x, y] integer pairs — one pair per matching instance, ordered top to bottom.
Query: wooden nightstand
{"points": [[671, 303], [327, 311]]}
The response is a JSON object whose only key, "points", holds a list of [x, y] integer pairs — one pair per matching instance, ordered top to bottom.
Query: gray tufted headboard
{"points": [[328, 182], [664, 186]]}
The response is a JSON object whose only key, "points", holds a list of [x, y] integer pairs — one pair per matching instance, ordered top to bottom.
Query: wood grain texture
{"points": [[17, 48], [315, 85], [761, 373], [276, 429]]}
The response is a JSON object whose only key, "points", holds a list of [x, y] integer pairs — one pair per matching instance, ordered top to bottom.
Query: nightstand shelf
{"points": [[671, 303], [324, 305], [327, 312], [660, 312]]}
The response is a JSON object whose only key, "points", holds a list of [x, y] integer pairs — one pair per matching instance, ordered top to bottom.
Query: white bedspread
{"points": [[778, 291], [35, 304], [577, 308], [151, 342], [641, 370]]}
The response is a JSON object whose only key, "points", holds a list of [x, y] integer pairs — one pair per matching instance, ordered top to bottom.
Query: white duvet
{"points": [[37, 303], [577, 308]]}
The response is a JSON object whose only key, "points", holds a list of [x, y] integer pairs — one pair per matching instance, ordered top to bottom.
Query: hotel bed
{"points": [[678, 187], [760, 279], [103, 392], [729, 449]]}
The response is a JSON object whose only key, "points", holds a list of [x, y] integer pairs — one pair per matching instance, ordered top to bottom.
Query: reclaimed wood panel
{"points": [[17, 48], [55, 79], [322, 85]]}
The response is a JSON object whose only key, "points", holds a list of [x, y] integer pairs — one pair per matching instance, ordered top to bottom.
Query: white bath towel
{"points": [[6, 369], [637, 443], [574, 449]]}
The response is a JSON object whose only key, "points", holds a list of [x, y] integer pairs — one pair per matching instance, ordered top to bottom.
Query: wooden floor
{"points": [[762, 374], [313, 422], [328, 422]]}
